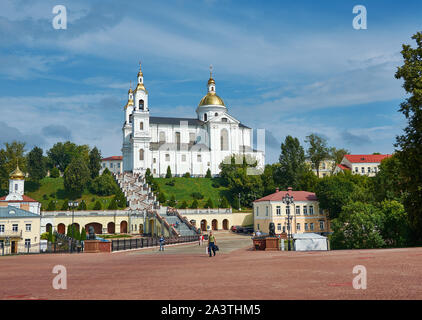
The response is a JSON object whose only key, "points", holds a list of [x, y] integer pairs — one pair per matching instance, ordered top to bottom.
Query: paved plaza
{"points": [[237, 272]]}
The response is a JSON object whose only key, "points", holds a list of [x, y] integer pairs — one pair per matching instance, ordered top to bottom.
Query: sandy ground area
{"points": [[236, 272]]}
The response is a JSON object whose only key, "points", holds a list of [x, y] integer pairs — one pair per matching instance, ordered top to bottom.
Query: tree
{"points": [[317, 150], [410, 152], [62, 154], [11, 156], [337, 156], [94, 162], [292, 163], [36, 164], [54, 173], [168, 174], [186, 175], [208, 175], [76, 176], [148, 176], [308, 180], [388, 182], [104, 185], [334, 192], [162, 197], [120, 199], [172, 201], [224, 203], [113, 204], [194, 204], [209, 204], [51, 205], [65, 205], [82, 205], [98, 205], [184, 205], [359, 226], [396, 227], [83, 234]]}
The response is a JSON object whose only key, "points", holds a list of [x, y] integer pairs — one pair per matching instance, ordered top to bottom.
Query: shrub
{"points": [[54, 173], [168, 174], [186, 175], [208, 175], [171, 183], [104, 185], [215, 185], [52, 195], [197, 195], [45, 197], [162, 197], [172, 201], [194, 204], [209, 204], [65, 205], [82, 205], [98, 205], [112, 205], [184, 205], [51, 206], [83, 234], [44, 236]]}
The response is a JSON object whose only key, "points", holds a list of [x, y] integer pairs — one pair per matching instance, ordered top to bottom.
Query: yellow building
{"points": [[326, 168], [306, 216], [19, 231]]}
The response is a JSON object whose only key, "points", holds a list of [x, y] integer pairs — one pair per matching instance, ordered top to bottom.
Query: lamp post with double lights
{"points": [[288, 200], [73, 205]]}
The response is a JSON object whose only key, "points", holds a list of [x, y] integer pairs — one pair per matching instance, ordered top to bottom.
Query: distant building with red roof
{"points": [[113, 163], [366, 164], [306, 216]]}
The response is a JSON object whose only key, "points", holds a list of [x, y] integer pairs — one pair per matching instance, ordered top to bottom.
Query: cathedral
{"points": [[191, 145]]}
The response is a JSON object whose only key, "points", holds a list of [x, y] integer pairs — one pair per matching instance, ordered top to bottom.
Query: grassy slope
{"points": [[184, 187], [54, 189]]}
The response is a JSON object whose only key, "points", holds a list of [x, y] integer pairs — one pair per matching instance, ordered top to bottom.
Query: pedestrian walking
{"points": [[162, 240], [211, 244]]}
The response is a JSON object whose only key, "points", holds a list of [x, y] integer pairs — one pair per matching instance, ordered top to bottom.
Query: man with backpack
{"points": [[162, 240], [212, 244]]}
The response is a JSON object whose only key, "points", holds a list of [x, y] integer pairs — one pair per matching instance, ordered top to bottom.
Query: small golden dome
{"points": [[211, 81], [130, 90], [211, 98], [129, 103], [17, 174]]}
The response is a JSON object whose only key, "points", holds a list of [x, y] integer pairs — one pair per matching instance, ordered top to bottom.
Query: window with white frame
{"points": [[167, 157], [198, 158], [356, 169], [362, 169], [369, 169], [297, 209], [266, 210], [278, 210], [288, 210], [305, 210], [311, 210], [257, 211], [311, 225], [321, 225], [279, 226], [298, 226], [14, 227], [28, 227], [306, 227], [1, 228], [284, 229], [27, 243]]}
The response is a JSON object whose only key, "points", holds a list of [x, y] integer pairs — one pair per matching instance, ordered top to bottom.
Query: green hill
{"points": [[184, 187], [53, 189]]}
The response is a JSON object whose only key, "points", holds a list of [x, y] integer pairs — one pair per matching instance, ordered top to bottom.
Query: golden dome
{"points": [[211, 81], [141, 86], [211, 98], [129, 103], [17, 174]]}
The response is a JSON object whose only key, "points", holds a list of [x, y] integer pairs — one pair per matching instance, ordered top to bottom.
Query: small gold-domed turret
{"points": [[211, 98], [17, 174]]}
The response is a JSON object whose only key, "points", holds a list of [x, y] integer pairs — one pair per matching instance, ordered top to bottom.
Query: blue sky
{"points": [[292, 68]]}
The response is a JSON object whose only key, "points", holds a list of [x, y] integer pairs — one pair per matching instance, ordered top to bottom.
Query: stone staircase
{"points": [[141, 198]]}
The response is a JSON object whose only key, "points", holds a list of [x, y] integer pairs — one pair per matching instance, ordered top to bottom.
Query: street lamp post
{"points": [[288, 200], [73, 205]]}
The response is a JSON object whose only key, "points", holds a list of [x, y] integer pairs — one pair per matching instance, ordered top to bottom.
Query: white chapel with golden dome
{"points": [[191, 145]]}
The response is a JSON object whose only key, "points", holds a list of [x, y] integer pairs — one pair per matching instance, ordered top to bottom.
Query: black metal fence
{"points": [[136, 243], [37, 248]]}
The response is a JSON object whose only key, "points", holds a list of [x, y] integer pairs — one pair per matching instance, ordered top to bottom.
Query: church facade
{"points": [[191, 145]]}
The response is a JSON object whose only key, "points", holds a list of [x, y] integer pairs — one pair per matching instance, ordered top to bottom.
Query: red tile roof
{"points": [[115, 158], [366, 158], [343, 167], [297, 196], [25, 199]]}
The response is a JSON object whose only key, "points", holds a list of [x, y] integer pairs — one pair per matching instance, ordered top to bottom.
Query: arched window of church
{"points": [[141, 104], [216, 114], [205, 117], [141, 126], [162, 137], [224, 139], [141, 154]]}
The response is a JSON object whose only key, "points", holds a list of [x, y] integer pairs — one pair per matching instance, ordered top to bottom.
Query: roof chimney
{"points": [[277, 189], [289, 189]]}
